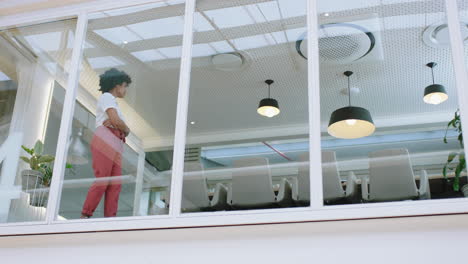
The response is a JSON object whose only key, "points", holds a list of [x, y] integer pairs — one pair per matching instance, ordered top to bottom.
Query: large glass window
{"points": [[34, 64], [387, 94], [389, 115], [247, 131], [122, 135]]}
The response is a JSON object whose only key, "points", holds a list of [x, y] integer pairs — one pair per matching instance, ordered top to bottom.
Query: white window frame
{"points": [[315, 212]]}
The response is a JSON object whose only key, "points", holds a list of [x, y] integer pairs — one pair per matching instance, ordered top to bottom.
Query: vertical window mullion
{"points": [[458, 57], [313, 80], [182, 108], [67, 118], [140, 175]]}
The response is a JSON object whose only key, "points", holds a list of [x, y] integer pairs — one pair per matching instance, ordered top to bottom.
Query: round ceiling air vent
{"points": [[437, 35], [340, 43], [228, 61]]}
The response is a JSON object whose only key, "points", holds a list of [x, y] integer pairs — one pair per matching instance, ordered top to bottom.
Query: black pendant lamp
{"points": [[434, 93], [268, 106], [351, 121]]}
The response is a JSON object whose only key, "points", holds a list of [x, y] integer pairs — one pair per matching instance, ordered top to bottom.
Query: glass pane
{"points": [[463, 13], [34, 64], [387, 94], [247, 134], [122, 136]]}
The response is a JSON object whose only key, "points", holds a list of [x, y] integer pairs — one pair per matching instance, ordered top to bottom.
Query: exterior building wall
{"points": [[435, 239]]}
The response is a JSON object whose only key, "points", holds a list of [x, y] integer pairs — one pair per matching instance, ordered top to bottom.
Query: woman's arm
{"points": [[116, 122]]}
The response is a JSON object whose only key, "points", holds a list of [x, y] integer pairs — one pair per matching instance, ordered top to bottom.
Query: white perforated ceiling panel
{"points": [[265, 34]]}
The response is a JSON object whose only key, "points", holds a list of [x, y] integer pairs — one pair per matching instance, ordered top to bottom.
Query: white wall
{"points": [[435, 239]]}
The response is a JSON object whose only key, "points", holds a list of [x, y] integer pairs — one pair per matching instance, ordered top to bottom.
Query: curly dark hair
{"points": [[111, 78]]}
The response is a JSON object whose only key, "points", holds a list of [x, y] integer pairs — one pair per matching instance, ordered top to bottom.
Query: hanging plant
{"points": [[450, 165]]}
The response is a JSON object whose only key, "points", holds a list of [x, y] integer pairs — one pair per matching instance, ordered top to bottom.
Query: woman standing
{"points": [[107, 144]]}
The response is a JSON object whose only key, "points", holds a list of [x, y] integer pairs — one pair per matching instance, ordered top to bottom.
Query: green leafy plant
{"points": [[455, 123], [37, 159], [39, 162], [47, 170]]}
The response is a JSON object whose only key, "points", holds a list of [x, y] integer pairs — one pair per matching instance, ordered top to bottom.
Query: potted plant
{"points": [[459, 167], [47, 170], [40, 172]]}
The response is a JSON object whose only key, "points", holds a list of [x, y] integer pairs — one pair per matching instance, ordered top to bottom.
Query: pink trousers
{"points": [[106, 150]]}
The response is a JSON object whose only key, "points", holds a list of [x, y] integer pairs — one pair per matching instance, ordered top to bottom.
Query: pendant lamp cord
{"points": [[432, 70], [269, 82], [269, 91], [349, 93]]}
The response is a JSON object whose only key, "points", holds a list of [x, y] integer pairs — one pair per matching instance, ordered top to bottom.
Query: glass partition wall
{"points": [[34, 65], [387, 92], [387, 95], [247, 129], [120, 159]]}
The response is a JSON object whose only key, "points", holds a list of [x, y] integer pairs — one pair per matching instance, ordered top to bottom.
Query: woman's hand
{"points": [[116, 122], [107, 123]]}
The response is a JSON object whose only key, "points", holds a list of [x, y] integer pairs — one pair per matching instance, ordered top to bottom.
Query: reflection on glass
{"points": [[33, 70], [125, 114], [404, 158]]}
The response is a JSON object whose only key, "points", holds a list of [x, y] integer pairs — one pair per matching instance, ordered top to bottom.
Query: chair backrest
{"points": [[391, 175], [303, 178], [251, 182], [332, 188], [194, 189]]}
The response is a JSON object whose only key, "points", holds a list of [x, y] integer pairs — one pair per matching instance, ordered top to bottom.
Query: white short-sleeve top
{"points": [[106, 101]]}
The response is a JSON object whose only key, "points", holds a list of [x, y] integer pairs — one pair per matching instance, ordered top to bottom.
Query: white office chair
{"points": [[391, 177], [301, 184], [252, 187], [332, 188], [195, 191]]}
